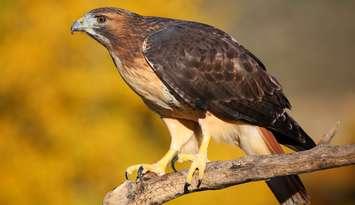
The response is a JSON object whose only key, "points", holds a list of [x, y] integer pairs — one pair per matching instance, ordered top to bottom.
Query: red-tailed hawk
{"points": [[203, 84]]}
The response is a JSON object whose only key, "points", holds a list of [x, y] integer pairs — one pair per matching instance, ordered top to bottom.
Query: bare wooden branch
{"points": [[221, 174], [153, 189]]}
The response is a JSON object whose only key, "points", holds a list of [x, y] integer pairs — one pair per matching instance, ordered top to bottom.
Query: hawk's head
{"points": [[106, 25]]}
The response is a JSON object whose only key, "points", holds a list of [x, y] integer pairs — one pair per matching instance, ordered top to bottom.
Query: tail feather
{"points": [[293, 136], [288, 190]]}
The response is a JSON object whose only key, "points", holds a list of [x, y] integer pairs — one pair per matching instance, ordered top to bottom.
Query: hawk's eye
{"points": [[101, 19]]}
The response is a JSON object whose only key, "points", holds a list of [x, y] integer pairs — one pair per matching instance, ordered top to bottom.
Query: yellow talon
{"points": [[199, 160], [198, 163], [158, 168]]}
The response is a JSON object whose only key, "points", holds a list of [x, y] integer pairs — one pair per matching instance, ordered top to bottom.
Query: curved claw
{"points": [[173, 161], [140, 173], [199, 183], [186, 188]]}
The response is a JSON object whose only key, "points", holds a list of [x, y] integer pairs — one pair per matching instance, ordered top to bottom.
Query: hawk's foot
{"points": [[198, 163], [157, 168]]}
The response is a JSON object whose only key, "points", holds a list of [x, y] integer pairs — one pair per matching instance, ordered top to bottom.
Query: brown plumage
{"points": [[202, 83]]}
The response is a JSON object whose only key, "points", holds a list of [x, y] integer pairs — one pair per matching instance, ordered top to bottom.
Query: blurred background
{"points": [[69, 126]]}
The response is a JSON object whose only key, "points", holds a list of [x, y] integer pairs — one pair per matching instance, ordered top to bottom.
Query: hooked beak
{"points": [[84, 24], [89, 25], [78, 26], [75, 27]]}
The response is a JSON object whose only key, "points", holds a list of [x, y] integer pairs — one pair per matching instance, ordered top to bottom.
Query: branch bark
{"points": [[154, 189]]}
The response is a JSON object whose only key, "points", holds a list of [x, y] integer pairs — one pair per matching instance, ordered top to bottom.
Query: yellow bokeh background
{"points": [[69, 126]]}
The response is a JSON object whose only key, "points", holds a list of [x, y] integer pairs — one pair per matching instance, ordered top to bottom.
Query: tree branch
{"points": [[154, 189]]}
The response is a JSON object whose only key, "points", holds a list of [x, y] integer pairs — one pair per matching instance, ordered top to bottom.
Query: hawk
{"points": [[204, 84]]}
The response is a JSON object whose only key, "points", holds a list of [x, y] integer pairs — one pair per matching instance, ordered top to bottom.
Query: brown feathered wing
{"points": [[209, 70]]}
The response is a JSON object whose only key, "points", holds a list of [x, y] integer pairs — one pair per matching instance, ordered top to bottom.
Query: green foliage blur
{"points": [[69, 126]]}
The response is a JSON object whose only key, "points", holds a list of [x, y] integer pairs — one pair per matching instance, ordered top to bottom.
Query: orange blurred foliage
{"points": [[68, 125]]}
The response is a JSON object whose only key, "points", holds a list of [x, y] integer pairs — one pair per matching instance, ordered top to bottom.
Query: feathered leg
{"points": [[181, 132]]}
